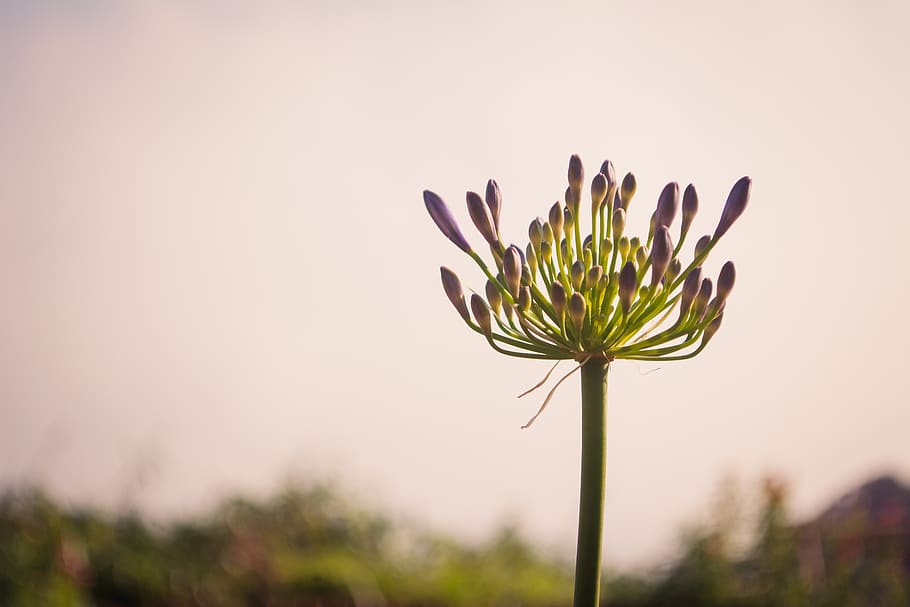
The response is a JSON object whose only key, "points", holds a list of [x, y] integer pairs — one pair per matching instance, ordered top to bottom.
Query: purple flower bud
{"points": [[609, 172], [576, 173], [627, 190], [598, 191], [573, 199], [494, 201], [668, 204], [736, 204], [689, 207], [441, 215], [480, 215], [556, 219], [619, 222], [535, 233], [548, 233], [702, 245], [661, 253], [532, 259], [511, 269], [673, 270], [577, 274], [594, 276], [725, 280], [628, 284], [452, 286], [689, 290], [494, 297], [558, 298], [702, 298], [577, 309], [481, 314], [712, 328]]}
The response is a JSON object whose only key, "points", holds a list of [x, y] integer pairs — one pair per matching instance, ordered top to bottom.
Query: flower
{"points": [[565, 296]]}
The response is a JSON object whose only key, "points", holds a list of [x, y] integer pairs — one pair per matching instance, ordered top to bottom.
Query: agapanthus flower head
{"points": [[567, 295]]}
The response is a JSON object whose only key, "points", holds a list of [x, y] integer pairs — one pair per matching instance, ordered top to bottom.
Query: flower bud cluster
{"points": [[565, 296]]}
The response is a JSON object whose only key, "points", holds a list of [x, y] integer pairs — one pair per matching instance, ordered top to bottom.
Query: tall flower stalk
{"points": [[593, 299]]}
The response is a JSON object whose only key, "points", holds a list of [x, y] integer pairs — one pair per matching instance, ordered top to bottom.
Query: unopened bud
{"points": [[609, 172], [576, 173], [627, 190], [598, 191], [573, 199], [494, 201], [668, 204], [689, 207], [734, 207], [480, 215], [556, 219], [444, 220], [569, 220], [619, 222], [535, 233], [548, 233], [702, 245], [606, 246], [624, 247], [564, 248], [546, 251], [661, 253], [641, 256], [589, 257], [532, 260], [511, 269], [673, 270], [577, 274], [594, 276], [725, 280], [628, 284], [452, 286], [689, 290], [494, 297], [558, 298], [524, 299], [701, 300], [577, 309], [481, 314], [712, 328]]}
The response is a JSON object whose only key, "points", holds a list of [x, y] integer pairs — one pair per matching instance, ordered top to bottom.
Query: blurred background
{"points": [[219, 280]]}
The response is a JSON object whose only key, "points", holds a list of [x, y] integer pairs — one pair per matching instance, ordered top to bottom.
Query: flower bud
{"points": [[609, 172], [576, 173], [627, 190], [598, 191], [573, 199], [494, 201], [667, 204], [689, 207], [734, 207], [480, 215], [443, 219], [556, 219], [569, 220], [619, 222], [535, 233], [548, 233], [702, 245], [606, 246], [624, 247], [564, 248], [546, 251], [661, 253], [589, 256], [641, 256], [532, 260], [511, 269], [673, 270], [577, 274], [594, 276], [725, 280], [628, 284], [452, 286], [689, 290], [494, 297], [558, 298], [524, 299], [701, 300], [577, 309], [481, 314], [712, 328]]}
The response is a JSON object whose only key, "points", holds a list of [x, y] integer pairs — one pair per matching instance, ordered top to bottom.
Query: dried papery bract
{"points": [[580, 291]]}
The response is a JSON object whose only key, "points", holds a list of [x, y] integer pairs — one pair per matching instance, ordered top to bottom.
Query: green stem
{"points": [[593, 468]]}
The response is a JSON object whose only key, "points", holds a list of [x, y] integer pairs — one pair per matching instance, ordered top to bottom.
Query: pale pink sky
{"points": [[218, 272]]}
